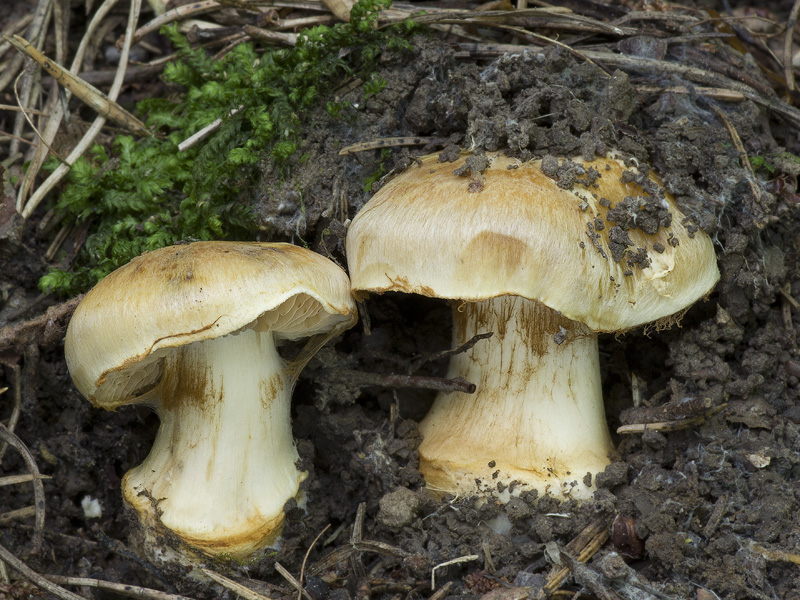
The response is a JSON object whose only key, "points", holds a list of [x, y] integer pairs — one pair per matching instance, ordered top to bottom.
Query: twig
{"points": [[268, 35], [788, 67], [716, 93], [88, 94], [388, 142], [675, 425], [16, 479], [38, 488], [583, 546], [775, 555], [35, 578], [292, 581], [236, 587], [123, 589], [441, 593]]}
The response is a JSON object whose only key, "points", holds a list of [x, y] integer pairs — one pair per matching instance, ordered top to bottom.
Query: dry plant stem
{"points": [[190, 10], [272, 37], [788, 68], [88, 94], [57, 114], [95, 128], [388, 142], [675, 425], [38, 489], [20, 513], [584, 545], [35, 578], [291, 580], [234, 586], [123, 589]]}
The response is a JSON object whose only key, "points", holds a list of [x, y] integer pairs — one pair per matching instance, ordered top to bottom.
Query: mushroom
{"points": [[543, 254], [191, 330]]}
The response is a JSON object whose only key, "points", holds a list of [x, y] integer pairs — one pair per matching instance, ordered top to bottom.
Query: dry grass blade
{"points": [[788, 67], [88, 94], [57, 107], [16, 479], [20, 513], [35, 578], [291, 580], [234, 586]]}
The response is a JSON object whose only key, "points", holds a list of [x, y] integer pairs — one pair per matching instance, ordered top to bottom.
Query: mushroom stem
{"points": [[537, 416], [223, 462]]}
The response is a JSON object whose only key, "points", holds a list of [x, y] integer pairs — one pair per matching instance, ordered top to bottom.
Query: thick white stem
{"points": [[537, 415], [223, 462]]}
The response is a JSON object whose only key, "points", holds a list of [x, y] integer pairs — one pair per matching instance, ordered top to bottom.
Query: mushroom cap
{"points": [[513, 230], [181, 294]]}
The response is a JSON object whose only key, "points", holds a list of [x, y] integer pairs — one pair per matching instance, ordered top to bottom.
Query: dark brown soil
{"points": [[710, 511]]}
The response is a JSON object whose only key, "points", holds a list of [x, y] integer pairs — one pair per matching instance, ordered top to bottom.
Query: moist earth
{"points": [[714, 506]]}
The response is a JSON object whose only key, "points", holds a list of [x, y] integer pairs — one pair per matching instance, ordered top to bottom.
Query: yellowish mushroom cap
{"points": [[513, 230], [182, 294]]}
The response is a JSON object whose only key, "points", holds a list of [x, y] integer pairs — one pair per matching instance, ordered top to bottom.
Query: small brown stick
{"points": [[270, 36], [788, 68], [709, 92], [388, 142], [744, 159], [675, 425], [15, 479], [38, 488], [19, 513], [583, 546], [305, 560], [35, 578], [291, 580], [236, 587], [123, 589], [442, 592]]}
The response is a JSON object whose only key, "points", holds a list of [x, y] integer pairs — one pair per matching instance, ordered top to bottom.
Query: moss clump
{"points": [[147, 194]]}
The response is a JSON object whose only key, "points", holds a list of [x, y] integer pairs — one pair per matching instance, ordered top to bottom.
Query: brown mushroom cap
{"points": [[513, 230], [182, 294]]}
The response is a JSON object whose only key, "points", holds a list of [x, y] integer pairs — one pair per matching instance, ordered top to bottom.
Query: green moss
{"points": [[147, 194]]}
